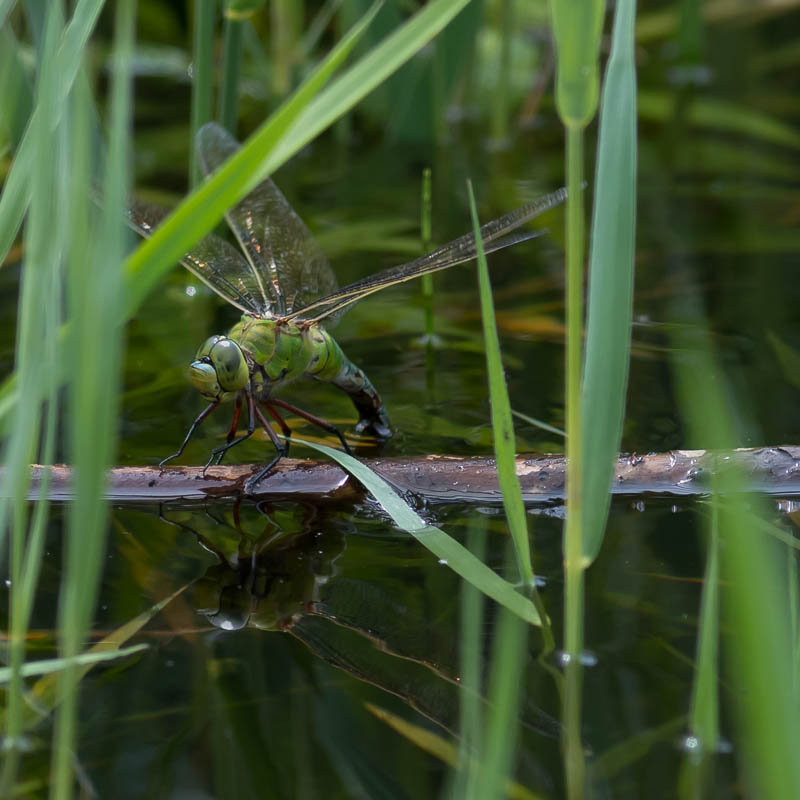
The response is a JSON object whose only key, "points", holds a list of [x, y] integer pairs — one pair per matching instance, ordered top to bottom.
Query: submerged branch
{"points": [[774, 470]]}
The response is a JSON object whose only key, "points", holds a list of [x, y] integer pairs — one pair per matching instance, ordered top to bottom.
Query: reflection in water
{"points": [[280, 571]]}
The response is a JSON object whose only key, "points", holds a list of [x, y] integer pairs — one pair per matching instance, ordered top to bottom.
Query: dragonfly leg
{"points": [[237, 412], [318, 421], [192, 429], [285, 429], [280, 446], [218, 453]]}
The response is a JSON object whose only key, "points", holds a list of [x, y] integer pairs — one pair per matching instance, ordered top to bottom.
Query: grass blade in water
{"points": [[444, 547]]}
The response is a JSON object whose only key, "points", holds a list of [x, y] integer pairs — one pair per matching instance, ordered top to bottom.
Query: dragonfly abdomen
{"points": [[333, 366]]}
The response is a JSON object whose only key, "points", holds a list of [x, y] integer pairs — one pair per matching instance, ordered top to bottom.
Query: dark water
{"points": [[293, 618]]}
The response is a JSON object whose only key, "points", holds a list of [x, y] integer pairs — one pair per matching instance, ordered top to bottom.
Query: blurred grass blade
{"points": [[5, 7], [366, 75], [202, 78], [228, 96], [16, 99], [718, 115], [17, 187], [611, 260], [426, 282], [39, 312], [94, 356], [502, 423], [538, 423], [444, 547], [754, 605], [470, 641], [47, 666], [506, 682], [43, 697], [704, 713], [704, 717], [439, 747]]}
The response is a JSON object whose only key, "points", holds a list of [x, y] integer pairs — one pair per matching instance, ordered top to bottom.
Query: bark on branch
{"points": [[774, 470]]}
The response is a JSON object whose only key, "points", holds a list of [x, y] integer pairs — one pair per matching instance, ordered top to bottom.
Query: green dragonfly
{"points": [[287, 292]]}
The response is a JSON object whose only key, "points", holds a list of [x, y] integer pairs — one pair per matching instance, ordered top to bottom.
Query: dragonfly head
{"points": [[219, 369]]}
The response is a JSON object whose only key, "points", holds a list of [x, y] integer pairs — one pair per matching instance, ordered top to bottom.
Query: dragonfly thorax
{"points": [[219, 369]]}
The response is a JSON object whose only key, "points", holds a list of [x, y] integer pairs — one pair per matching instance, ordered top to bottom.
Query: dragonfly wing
{"points": [[496, 235], [287, 262], [218, 264]]}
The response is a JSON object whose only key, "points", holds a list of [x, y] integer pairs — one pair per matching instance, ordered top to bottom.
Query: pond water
{"points": [[295, 625]]}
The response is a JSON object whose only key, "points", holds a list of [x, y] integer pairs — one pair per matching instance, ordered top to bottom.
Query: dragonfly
{"points": [[287, 292]]}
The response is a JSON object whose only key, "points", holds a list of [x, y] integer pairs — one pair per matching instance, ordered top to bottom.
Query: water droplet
{"points": [[191, 291], [691, 475], [443, 561], [8, 583], [588, 658], [690, 744]]}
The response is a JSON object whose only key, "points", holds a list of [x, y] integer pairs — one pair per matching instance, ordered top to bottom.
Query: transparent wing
{"points": [[496, 235], [287, 263], [218, 264]]}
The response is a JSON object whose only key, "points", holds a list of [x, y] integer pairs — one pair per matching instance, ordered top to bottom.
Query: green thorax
{"points": [[283, 351]]}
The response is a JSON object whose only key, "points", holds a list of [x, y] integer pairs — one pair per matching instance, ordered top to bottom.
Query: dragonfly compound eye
{"points": [[205, 348], [230, 365]]}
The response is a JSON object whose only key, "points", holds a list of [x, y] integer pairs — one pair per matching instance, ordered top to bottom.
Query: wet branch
{"points": [[774, 470]]}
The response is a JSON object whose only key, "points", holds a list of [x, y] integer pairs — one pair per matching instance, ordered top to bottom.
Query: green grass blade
{"points": [[577, 27], [296, 123], [204, 208], [611, 269], [502, 422], [444, 547]]}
